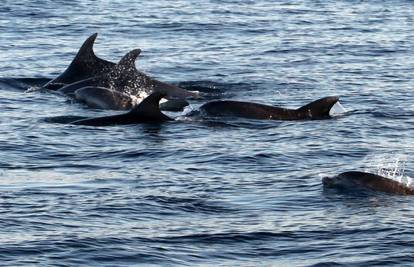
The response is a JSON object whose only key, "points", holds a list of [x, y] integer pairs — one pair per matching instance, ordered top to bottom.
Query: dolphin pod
{"points": [[87, 70], [106, 85], [318, 109], [149, 111], [362, 180]]}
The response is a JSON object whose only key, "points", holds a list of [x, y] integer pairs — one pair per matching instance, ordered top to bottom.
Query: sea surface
{"points": [[209, 192]]}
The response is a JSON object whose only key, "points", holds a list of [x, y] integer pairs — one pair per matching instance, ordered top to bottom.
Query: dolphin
{"points": [[85, 65], [125, 78], [104, 98], [318, 109], [147, 111], [357, 180]]}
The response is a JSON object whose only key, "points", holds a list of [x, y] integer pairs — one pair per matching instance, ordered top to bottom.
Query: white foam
{"points": [[33, 89], [196, 94], [136, 99], [337, 109], [187, 110], [391, 166]]}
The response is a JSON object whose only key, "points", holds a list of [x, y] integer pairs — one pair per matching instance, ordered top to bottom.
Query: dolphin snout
{"points": [[328, 181]]}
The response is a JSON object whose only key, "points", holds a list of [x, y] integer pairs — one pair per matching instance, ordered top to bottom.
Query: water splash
{"points": [[33, 89], [337, 109], [188, 110], [186, 114], [391, 166]]}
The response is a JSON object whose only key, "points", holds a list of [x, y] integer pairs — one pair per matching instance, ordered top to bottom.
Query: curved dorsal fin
{"points": [[86, 53], [128, 61], [84, 65], [320, 107], [150, 108]]}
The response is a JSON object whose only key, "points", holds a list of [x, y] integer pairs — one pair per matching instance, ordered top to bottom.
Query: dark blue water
{"points": [[201, 192]]}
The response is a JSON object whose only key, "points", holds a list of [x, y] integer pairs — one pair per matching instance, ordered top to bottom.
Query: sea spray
{"points": [[337, 109], [391, 166]]}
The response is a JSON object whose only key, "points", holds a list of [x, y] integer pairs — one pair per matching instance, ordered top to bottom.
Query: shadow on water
{"points": [[222, 123], [148, 128], [152, 130], [362, 198]]}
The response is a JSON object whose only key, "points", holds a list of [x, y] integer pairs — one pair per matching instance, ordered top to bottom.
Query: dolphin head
{"points": [[345, 179], [328, 181]]}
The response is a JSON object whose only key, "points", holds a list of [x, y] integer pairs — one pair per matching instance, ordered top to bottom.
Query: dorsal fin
{"points": [[86, 50], [86, 58], [128, 61], [85, 65], [150, 108], [319, 108]]}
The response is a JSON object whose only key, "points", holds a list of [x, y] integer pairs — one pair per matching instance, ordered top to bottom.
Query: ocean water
{"points": [[196, 191]]}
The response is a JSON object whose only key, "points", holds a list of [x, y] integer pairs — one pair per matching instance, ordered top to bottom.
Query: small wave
{"points": [[393, 114], [190, 204], [231, 237], [328, 264]]}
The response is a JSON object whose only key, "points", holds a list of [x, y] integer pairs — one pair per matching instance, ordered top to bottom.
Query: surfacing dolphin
{"points": [[85, 65], [125, 78], [103, 98], [318, 109], [147, 111], [354, 180]]}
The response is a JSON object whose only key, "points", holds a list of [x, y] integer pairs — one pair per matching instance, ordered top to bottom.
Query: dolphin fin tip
{"points": [[129, 59], [149, 107]]}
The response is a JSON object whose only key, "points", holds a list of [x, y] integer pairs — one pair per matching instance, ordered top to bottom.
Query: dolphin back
{"points": [[126, 78], [149, 108], [318, 109], [147, 111], [354, 180]]}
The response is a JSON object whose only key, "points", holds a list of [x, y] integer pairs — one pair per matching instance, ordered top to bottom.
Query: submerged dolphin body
{"points": [[85, 65], [125, 78], [103, 98], [318, 109], [147, 111], [362, 180]]}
